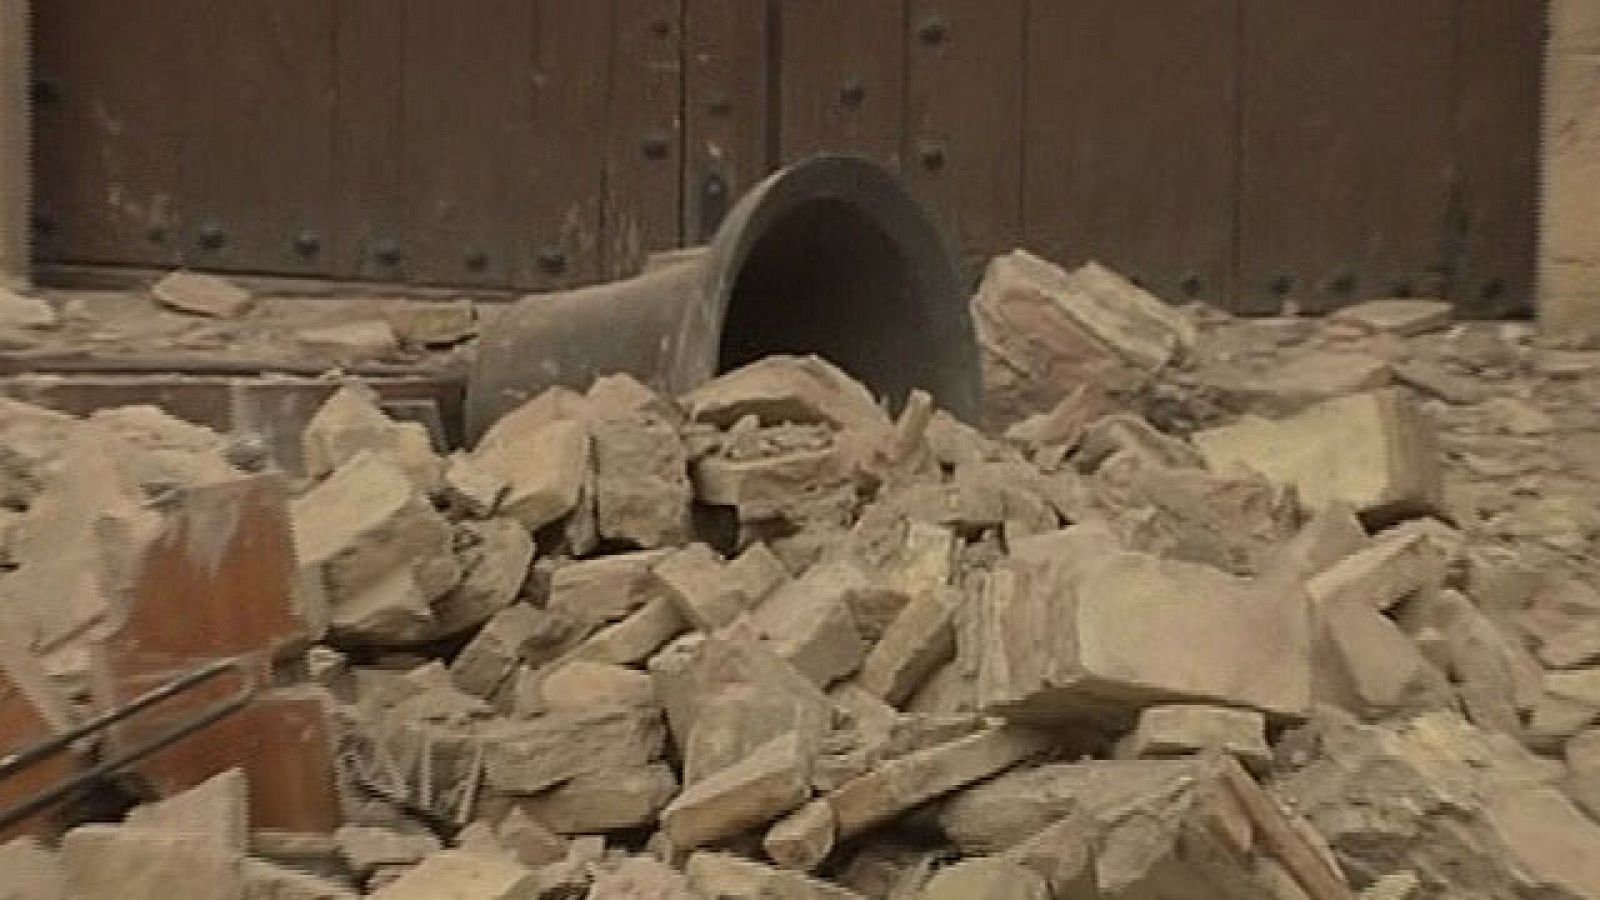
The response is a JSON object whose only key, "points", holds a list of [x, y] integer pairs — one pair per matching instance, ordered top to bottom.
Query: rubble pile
{"points": [[768, 640]]}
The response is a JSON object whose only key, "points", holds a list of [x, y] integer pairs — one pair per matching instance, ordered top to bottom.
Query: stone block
{"points": [[200, 294], [1399, 317], [350, 342], [787, 389], [351, 422], [1375, 451], [541, 452], [642, 490], [1329, 537], [375, 547], [495, 557], [1396, 564], [695, 579], [606, 589], [814, 630], [1069, 632], [515, 635], [636, 638], [919, 640], [1366, 664], [580, 685], [1166, 731], [529, 757], [772, 780], [910, 781], [605, 800], [218, 808], [804, 838], [530, 841], [366, 848], [107, 862], [31, 872], [459, 875], [729, 877], [640, 878], [987, 878], [269, 881]]}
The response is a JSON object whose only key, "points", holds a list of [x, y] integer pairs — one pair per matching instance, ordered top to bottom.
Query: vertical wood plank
{"points": [[1500, 57], [842, 78], [725, 108], [964, 119], [259, 129], [109, 132], [468, 138], [1131, 141], [644, 145], [1347, 152], [16, 188], [369, 207], [560, 238]]}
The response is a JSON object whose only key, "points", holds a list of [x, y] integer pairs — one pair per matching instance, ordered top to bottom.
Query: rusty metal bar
{"points": [[17, 761]]}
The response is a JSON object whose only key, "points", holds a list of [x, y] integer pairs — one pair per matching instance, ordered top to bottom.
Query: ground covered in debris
{"points": [[1220, 609]]}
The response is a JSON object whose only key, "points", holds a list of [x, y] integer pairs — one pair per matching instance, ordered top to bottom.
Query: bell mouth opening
{"points": [[832, 257]]}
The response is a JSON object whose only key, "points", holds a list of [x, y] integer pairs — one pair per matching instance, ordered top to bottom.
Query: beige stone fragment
{"points": [[202, 295], [21, 311], [1399, 317], [433, 323], [351, 341], [780, 389], [351, 422], [1376, 451], [541, 452], [768, 486], [642, 490], [1329, 537], [495, 562], [1396, 564], [695, 579], [605, 589], [815, 631], [511, 637], [636, 638], [920, 639], [1367, 665], [580, 685], [1187, 730], [528, 757], [772, 780], [910, 781], [605, 800], [218, 808], [1548, 837], [804, 838], [530, 841], [367, 847], [107, 862], [31, 872], [459, 875], [728, 877], [641, 878], [987, 878]]}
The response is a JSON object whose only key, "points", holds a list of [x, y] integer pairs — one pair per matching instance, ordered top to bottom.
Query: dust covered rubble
{"points": [[770, 641]]}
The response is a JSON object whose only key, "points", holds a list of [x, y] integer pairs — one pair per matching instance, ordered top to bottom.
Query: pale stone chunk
{"points": [[202, 295], [1400, 317], [351, 341], [351, 422], [540, 451], [642, 490], [495, 563], [1396, 564], [605, 589], [815, 631], [920, 639], [581, 685], [1185, 730], [528, 757], [772, 780], [605, 800], [218, 808], [804, 838], [106, 862], [30, 872], [459, 875], [728, 877], [990, 878], [269, 881]]}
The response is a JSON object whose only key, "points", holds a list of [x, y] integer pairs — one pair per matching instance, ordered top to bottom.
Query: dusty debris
{"points": [[203, 295], [21, 311], [1403, 318], [351, 422], [769, 782], [605, 800], [723, 875]]}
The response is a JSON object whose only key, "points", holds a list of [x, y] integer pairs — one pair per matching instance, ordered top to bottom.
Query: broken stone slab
{"points": [[203, 295], [1399, 317], [433, 323], [1042, 330], [351, 341], [1291, 384], [788, 389], [351, 422], [1064, 425], [1128, 434], [1376, 451], [541, 452], [768, 486], [470, 489], [642, 490], [1329, 537], [373, 545], [495, 557], [1396, 564], [694, 579], [605, 589], [813, 630], [1072, 632], [517, 634], [636, 638], [919, 640], [1367, 665], [1495, 676], [580, 685], [1571, 704], [1167, 731], [529, 757], [770, 781], [910, 781], [605, 800], [218, 808], [804, 838], [1549, 838], [528, 840], [365, 848], [108, 862], [31, 871], [459, 875], [573, 876], [729, 877], [987, 878], [262, 880]]}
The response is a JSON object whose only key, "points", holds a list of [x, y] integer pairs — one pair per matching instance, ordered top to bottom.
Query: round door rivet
{"points": [[661, 27], [933, 30], [853, 93], [718, 103], [656, 146], [932, 154], [212, 237], [307, 243], [387, 252], [477, 260], [552, 260], [1192, 285], [1281, 285]]}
